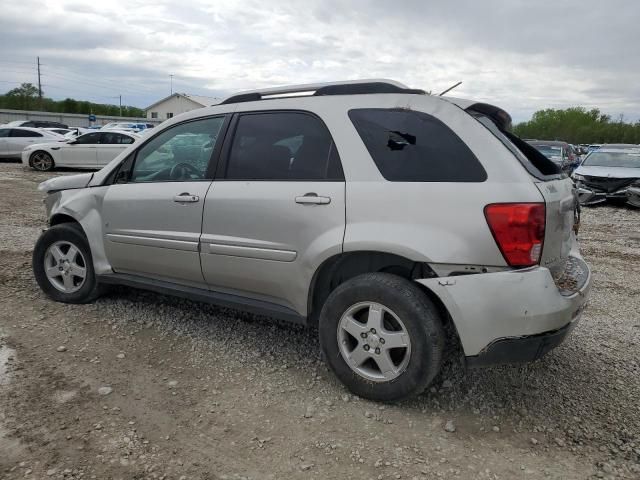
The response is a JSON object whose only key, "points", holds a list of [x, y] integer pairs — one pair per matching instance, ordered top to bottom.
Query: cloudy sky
{"points": [[522, 55]]}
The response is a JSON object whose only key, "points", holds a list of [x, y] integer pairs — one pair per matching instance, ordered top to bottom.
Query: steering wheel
{"points": [[181, 171]]}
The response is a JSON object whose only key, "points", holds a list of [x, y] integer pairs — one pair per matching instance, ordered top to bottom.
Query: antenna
{"points": [[450, 88]]}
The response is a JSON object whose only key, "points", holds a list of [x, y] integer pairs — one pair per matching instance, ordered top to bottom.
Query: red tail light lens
{"points": [[518, 229]]}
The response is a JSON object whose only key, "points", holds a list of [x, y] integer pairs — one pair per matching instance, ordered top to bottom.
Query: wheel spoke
{"points": [[57, 253], [71, 253], [78, 271], [53, 272], [67, 280], [374, 318], [353, 327], [395, 340], [358, 356], [386, 366]]}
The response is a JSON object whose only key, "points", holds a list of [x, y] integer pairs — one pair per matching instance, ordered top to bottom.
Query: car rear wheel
{"points": [[41, 161], [63, 266], [382, 337]]}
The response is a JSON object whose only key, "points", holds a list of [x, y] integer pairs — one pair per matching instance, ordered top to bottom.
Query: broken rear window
{"points": [[410, 146]]}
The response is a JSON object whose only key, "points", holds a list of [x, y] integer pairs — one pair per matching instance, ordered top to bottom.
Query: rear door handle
{"points": [[186, 198], [313, 199]]}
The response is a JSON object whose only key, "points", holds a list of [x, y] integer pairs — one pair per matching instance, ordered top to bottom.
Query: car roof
{"points": [[31, 129], [551, 143]]}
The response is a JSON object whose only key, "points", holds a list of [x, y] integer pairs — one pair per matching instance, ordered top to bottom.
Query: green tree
{"points": [[578, 125]]}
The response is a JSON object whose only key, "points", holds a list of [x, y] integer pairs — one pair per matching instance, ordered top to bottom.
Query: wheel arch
{"points": [[341, 267]]}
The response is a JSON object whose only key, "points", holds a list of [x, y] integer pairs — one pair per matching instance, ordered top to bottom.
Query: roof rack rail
{"points": [[352, 87]]}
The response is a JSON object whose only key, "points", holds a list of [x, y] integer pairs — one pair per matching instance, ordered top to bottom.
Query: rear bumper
{"points": [[502, 312], [520, 349]]}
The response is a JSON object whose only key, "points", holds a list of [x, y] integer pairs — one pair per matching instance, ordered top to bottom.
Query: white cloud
{"points": [[521, 55]]}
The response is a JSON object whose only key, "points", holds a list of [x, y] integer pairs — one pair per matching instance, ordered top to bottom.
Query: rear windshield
{"points": [[411, 146], [531, 159], [613, 159]]}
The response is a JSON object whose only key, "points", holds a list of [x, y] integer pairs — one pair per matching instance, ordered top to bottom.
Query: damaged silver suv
{"points": [[382, 215]]}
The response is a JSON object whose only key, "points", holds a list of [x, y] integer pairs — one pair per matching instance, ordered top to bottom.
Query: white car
{"points": [[14, 139], [91, 150]]}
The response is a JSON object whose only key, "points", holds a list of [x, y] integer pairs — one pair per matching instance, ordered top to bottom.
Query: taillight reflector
{"points": [[518, 229]]}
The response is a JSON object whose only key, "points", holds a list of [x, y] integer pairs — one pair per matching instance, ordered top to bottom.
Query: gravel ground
{"points": [[139, 385]]}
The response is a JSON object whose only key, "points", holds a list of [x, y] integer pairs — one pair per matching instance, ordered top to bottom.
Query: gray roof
{"points": [[199, 99]]}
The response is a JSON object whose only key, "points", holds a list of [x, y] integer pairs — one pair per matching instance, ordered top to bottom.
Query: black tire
{"points": [[41, 161], [73, 234], [421, 321]]}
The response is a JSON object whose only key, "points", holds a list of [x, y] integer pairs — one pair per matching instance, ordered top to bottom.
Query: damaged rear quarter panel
{"points": [[85, 206]]}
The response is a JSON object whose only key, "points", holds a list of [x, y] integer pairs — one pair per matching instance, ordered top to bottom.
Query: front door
{"points": [[111, 145], [80, 152], [276, 209], [152, 213]]}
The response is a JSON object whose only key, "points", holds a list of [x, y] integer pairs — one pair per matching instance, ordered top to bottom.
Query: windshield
{"points": [[552, 153], [629, 159]]}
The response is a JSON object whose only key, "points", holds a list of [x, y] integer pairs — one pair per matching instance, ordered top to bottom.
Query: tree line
{"points": [[25, 97], [578, 125]]}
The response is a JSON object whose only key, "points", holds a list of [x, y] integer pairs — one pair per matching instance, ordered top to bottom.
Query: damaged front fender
{"points": [[83, 205]]}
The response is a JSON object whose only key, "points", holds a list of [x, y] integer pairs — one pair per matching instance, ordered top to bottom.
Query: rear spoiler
{"points": [[501, 118]]}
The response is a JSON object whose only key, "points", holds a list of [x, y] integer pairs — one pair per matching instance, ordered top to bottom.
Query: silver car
{"points": [[610, 173], [385, 217]]}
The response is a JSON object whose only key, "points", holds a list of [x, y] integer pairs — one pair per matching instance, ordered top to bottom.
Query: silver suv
{"points": [[384, 216]]}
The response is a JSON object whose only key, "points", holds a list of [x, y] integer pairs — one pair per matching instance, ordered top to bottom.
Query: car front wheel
{"points": [[41, 161], [63, 266], [382, 336]]}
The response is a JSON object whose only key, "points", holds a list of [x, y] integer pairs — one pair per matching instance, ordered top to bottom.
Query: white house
{"points": [[178, 103]]}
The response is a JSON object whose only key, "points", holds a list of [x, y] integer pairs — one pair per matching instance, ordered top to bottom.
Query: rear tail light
{"points": [[518, 229]]}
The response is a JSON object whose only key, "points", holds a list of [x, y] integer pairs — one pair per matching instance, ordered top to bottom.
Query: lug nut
{"points": [[373, 330], [363, 334], [382, 341], [366, 348], [378, 351]]}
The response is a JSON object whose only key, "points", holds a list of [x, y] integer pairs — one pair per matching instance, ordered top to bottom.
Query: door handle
{"points": [[186, 198], [313, 199]]}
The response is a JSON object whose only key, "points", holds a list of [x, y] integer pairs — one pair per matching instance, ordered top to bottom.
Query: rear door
{"points": [[19, 138], [4, 140], [111, 145], [276, 209]]}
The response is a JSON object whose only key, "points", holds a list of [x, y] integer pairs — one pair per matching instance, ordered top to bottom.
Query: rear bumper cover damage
{"points": [[514, 316]]}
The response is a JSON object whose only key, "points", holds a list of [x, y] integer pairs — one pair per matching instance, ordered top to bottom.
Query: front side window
{"points": [[4, 132], [16, 132], [88, 139], [282, 146], [411, 146], [180, 153]]}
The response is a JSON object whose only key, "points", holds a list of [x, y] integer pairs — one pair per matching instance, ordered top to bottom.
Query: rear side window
{"points": [[24, 133], [282, 146], [411, 146]]}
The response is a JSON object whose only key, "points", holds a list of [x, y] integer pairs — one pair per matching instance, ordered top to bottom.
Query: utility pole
{"points": [[171, 80], [39, 84], [120, 96]]}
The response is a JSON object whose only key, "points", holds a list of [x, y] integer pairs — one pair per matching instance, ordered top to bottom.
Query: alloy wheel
{"points": [[374, 342]]}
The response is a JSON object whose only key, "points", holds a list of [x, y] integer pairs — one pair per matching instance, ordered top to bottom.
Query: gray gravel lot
{"points": [[199, 392]]}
